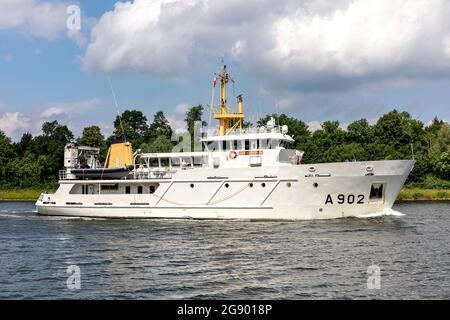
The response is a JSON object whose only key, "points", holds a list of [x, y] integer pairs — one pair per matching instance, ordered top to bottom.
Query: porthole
{"points": [[288, 184], [315, 184], [192, 185], [226, 185], [250, 185], [263, 185]]}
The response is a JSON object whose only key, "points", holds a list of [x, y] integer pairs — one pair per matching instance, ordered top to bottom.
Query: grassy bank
{"points": [[407, 193], [21, 194], [423, 194]]}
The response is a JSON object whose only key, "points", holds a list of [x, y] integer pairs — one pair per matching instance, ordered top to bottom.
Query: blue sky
{"points": [[316, 60]]}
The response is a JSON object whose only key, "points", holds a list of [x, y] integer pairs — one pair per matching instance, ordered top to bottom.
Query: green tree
{"points": [[193, 115], [131, 125], [159, 127], [391, 128], [360, 132], [91, 137], [24, 144], [51, 144], [325, 144], [160, 145], [439, 151], [7, 155], [442, 166]]}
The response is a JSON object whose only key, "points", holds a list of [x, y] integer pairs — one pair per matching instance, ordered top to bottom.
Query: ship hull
{"points": [[304, 192]]}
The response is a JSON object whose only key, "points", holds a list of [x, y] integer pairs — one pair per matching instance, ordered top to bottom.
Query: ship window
{"points": [[262, 143], [273, 143], [235, 144], [224, 145], [247, 145], [213, 146], [198, 161], [154, 162], [164, 162], [175, 162], [288, 184], [192, 185], [226, 185], [250, 185], [263, 185], [109, 187], [127, 189], [139, 189], [152, 189]]}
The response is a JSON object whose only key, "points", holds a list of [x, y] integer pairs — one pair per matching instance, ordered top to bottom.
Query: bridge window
{"points": [[262, 143], [273, 143], [127, 189], [139, 189]]}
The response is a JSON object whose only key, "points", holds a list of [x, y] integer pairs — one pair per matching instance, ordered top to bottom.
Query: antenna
{"points": [[117, 108]]}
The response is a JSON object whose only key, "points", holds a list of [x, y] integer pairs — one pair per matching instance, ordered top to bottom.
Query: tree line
{"points": [[34, 161]]}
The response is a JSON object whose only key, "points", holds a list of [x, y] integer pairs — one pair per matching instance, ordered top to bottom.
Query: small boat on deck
{"points": [[82, 162], [102, 173]]}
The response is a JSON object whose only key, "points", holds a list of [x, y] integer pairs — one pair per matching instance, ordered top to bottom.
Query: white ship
{"points": [[240, 174]]}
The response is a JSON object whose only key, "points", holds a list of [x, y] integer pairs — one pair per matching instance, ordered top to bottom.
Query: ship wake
{"points": [[384, 212]]}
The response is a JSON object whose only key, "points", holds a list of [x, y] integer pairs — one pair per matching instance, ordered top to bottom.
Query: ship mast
{"points": [[228, 121]]}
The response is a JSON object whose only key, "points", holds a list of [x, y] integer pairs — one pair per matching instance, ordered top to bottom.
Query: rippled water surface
{"points": [[170, 259]]}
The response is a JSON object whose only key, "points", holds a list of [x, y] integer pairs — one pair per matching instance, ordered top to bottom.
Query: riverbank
{"points": [[407, 194], [21, 195]]}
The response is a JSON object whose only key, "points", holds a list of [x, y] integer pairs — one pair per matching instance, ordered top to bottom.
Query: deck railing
{"points": [[62, 175]]}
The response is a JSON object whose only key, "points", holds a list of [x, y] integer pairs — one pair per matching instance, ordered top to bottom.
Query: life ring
{"points": [[233, 154]]}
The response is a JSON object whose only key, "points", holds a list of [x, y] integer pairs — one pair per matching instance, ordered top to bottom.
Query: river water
{"points": [[51, 257]]}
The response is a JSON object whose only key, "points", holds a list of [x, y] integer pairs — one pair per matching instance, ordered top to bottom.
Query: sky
{"points": [[315, 60]]}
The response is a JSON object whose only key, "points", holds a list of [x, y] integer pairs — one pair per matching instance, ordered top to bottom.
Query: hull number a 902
{"points": [[342, 199]]}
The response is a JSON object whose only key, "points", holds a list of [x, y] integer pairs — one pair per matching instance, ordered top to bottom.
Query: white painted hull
{"points": [[289, 193]]}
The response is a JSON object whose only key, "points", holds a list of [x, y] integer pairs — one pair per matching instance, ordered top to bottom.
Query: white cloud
{"points": [[41, 19], [44, 19], [77, 37], [312, 46], [70, 108], [181, 108], [74, 114], [176, 120], [12, 122], [176, 123], [314, 126]]}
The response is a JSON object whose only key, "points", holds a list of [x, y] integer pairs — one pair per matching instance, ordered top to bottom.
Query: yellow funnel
{"points": [[119, 155]]}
